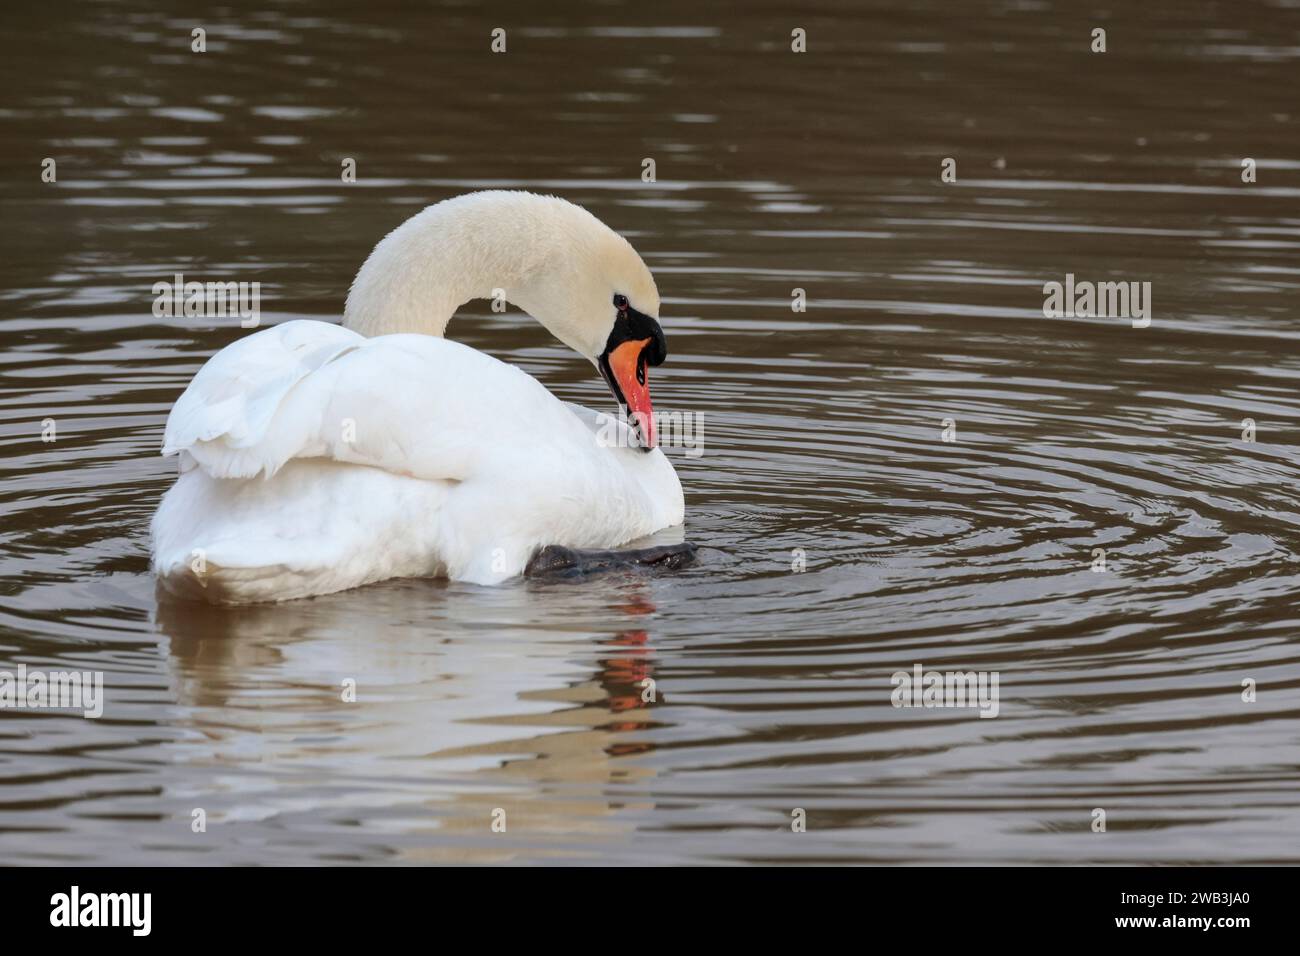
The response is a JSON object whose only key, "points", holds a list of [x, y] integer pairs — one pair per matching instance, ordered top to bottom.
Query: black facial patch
{"points": [[631, 325]]}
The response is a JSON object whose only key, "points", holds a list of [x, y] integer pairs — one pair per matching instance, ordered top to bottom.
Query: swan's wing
{"points": [[235, 394], [409, 404], [225, 413]]}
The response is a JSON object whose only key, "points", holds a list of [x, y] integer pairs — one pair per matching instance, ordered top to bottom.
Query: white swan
{"points": [[316, 457]]}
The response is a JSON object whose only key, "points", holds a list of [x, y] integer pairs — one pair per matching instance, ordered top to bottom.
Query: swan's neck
{"points": [[483, 245]]}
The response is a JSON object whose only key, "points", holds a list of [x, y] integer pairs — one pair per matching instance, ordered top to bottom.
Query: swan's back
{"points": [[314, 459]]}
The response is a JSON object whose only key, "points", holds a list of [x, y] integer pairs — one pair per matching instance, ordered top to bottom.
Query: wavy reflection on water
{"points": [[681, 718]]}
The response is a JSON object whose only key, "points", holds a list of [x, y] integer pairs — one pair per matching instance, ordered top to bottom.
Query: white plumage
{"points": [[315, 459]]}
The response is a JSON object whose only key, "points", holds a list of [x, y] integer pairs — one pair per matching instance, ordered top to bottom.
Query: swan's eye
{"points": [[620, 302]]}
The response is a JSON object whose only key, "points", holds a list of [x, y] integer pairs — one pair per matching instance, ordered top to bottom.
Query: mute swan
{"points": [[316, 457]]}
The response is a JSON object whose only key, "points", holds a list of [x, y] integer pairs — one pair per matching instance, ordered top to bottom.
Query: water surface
{"points": [[776, 171]]}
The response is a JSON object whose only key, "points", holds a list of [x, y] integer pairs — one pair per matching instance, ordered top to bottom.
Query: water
{"points": [[1120, 689]]}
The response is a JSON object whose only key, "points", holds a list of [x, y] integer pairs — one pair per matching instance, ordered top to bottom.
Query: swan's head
{"points": [[553, 259], [602, 302]]}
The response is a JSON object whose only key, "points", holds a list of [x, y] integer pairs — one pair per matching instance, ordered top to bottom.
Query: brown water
{"points": [[824, 432]]}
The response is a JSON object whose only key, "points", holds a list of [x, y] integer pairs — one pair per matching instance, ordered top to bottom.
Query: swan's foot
{"points": [[555, 561]]}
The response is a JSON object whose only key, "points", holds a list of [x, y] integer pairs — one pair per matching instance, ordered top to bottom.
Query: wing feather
{"points": [[413, 405]]}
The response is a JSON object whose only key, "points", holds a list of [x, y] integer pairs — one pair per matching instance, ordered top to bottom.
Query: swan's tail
{"points": [[315, 528]]}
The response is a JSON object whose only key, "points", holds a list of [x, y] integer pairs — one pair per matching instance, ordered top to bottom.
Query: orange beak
{"points": [[627, 368]]}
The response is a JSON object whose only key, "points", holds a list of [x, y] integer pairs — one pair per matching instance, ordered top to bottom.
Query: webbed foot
{"points": [[556, 561]]}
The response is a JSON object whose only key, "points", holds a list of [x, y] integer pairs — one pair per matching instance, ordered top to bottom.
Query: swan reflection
{"points": [[432, 704]]}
